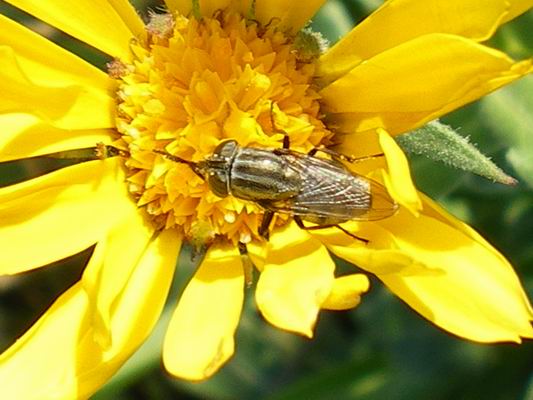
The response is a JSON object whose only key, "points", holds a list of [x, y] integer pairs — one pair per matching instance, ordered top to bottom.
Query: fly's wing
{"points": [[331, 194]]}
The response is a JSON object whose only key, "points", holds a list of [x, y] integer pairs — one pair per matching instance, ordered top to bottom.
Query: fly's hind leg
{"points": [[339, 156], [265, 225], [301, 225], [247, 265]]}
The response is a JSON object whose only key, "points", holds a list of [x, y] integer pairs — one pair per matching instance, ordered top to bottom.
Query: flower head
{"points": [[202, 82], [179, 86]]}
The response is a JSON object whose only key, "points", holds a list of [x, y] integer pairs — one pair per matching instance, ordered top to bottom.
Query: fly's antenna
{"points": [[175, 158], [191, 164]]}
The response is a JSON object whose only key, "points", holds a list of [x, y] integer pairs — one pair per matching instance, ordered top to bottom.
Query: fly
{"points": [[309, 188]]}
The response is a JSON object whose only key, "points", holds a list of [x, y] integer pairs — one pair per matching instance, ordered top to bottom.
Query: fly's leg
{"points": [[261, 28], [286, 139], [335, 155], [338, 156], [191, 164], [265, 224], [301, 225], [248, 267]]}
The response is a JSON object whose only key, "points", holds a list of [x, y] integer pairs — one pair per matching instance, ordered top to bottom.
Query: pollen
{"points": [[195, 83]]}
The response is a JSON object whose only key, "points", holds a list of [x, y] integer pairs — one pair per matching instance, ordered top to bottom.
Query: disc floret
{"points": [[195, 83]]}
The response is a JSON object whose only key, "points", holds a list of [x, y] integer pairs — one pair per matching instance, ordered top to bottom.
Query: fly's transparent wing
{"points": [[331, 194]]}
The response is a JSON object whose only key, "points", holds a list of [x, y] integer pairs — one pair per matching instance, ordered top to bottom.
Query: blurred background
{"points": [[382, 349]]}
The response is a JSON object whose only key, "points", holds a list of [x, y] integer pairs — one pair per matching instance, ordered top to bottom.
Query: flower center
{"points": [[195, 84]]}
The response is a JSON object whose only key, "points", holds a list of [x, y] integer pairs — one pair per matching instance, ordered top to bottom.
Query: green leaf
{"points": [[516, 38], [508, 114], [440, 142], [353, 379]]}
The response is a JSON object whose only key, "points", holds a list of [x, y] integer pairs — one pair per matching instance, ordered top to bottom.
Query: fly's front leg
{"points": [[265, 224], [301, 225]]}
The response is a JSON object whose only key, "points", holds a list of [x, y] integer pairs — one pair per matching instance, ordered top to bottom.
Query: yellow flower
{"points": [[217, 70]]}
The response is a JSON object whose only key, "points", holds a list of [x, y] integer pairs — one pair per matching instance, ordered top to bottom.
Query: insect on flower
{"points": [[310, 188]]}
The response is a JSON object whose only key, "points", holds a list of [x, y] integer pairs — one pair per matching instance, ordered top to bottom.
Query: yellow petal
{"points": [[183, 7], [208, 7], [517, 7], [129, 15], [293, 15], [399, 21], [107, 25], [47, 63], [457, 72], [418, 81], [63, 102], [25, 136], [360, 145], [398, 176], [433, 210], [60, 214], [381, 250], [257, 251], [111, 267], [296, 280], [457, 282], [346, 292], [139, 304], [135, 311], [200, 337], [58, 357], [43, 363]]}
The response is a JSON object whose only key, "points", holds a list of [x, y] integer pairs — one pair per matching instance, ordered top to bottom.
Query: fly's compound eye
{"points": [[217, 180]]}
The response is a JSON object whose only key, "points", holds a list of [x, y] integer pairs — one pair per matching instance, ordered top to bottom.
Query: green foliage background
{"points": [[382, 349]]}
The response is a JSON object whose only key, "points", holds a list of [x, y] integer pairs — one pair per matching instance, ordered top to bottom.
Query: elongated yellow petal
{"points": [[174, 6], [208, 7], [517, 7], [128, 14], [293, 15], [399, 21], [107, 25], [47, 63], [418, 81], [66, 105], [25, 135], [361, 145], [398, 176], [433, 210], [59, 214], [257, 252], [106, 276], [296, 280], [457, 282], [346, 292], [137, 308], [200, 339], [48, 352], [58, 357]]}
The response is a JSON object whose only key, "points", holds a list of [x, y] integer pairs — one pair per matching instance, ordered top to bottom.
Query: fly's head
{"points": [[217, 168]]}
